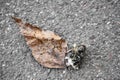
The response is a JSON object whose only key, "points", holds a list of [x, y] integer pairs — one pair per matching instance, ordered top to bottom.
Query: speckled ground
{"points": [[94, 23]]}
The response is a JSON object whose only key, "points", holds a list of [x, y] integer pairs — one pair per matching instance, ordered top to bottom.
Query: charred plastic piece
{"points": [[74, 56]]}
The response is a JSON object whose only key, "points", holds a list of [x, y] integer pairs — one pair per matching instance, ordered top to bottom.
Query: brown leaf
{"points": [[48, 48]]}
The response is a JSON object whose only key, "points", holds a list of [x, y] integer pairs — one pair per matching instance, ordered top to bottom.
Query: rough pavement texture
{"points": [[95, 23]]}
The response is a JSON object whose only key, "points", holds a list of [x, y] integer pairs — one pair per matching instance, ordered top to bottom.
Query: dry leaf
{"points": [[48, 48]]}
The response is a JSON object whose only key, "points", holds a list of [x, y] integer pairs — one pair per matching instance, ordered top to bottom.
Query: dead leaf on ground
{"points": [[48, 48]]}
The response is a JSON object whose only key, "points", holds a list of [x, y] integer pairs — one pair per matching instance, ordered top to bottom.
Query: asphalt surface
{"points": [[94, 23]]}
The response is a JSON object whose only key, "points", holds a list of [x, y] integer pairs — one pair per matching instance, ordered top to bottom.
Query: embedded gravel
{"points": [[94, 23]]}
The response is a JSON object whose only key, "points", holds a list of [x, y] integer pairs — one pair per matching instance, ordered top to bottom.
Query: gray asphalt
{"points": [[94, 23]]}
